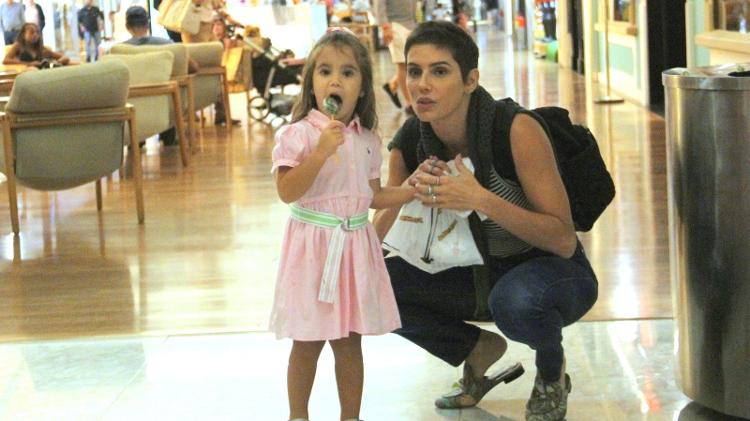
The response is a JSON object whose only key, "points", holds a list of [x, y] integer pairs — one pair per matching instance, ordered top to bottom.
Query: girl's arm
{"points": [[397, 175], [292, 183], [390, 196]]}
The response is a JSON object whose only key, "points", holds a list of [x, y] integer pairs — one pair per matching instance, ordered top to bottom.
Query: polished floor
{"points": [[104, 319], [620, 371]]}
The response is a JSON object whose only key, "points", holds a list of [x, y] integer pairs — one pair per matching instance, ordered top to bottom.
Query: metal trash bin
{"points": [[708, 173]]}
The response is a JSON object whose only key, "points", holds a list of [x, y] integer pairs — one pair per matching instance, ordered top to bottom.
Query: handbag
{"points": [[180, 16], [432, 239]]}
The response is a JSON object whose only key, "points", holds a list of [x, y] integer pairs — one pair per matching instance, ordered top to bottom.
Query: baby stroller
{"points": [[272, 68]]}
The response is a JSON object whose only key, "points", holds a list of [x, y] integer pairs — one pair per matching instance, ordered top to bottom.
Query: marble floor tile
{"points": [[67, 380]]}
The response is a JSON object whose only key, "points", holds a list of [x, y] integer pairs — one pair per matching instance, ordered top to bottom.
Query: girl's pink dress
{"points": [[364, 301]]}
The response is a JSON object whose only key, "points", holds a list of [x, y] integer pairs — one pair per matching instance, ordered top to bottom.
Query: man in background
{"points": [[11, 20], [90, 22], [136, 22]]}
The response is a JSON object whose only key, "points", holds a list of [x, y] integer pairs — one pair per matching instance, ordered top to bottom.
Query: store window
{"points": [[623, 11], [732, 15]]}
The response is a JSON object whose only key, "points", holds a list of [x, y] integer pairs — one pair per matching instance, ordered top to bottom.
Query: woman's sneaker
{"points": [[548, 401]]}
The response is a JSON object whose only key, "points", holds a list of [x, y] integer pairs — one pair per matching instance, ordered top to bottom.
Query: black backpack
{"points": [[588, 183]]}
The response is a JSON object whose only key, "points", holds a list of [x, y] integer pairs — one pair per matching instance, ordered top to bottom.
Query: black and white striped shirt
{"points": [[500, 242]]}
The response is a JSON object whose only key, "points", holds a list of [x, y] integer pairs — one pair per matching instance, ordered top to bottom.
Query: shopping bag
{"points": [[180, 16], [237, 62], [432, 239]]}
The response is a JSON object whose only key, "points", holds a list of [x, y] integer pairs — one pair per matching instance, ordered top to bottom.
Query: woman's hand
{"points": [[64, 60], [331, 138], [430, 166], [460, 192]]}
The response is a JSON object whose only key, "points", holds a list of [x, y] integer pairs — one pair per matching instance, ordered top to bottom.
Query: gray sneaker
{"points": [[548, 401]]}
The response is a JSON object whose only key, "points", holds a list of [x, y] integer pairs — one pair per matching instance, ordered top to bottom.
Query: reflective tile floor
{"points": [[620, 371]]}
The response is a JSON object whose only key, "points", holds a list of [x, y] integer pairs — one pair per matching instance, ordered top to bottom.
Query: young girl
{"points": [[332, 283]]}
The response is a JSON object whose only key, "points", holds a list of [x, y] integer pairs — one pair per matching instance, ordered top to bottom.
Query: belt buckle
{"points": [[346, 224]]}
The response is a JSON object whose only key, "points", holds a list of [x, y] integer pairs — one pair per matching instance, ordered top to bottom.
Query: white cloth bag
{"points": [[180, 16], [432, 239]]}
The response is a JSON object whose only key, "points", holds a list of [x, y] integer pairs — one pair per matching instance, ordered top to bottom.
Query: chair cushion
{"points": [[206, 54], [180, 65], [151, 67], [97, 85], [206, 90], [152, 113], [62, 157]]}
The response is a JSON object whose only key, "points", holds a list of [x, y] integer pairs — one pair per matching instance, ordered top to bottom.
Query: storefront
{"points": [[719, 30]]}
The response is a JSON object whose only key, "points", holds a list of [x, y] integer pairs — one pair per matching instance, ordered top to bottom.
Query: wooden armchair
{"points": [[179, 75], [210, 83], [154, 96], [66, 127]]}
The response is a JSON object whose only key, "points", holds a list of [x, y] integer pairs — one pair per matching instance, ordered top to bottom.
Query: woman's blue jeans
{"points": [[530, 301]]}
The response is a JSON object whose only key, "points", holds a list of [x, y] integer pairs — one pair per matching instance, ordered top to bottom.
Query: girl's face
{"points": [[31, 34], [337, 73], [435, 83]]}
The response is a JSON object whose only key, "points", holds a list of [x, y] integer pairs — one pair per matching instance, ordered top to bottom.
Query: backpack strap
{"points": [[502, 157]]}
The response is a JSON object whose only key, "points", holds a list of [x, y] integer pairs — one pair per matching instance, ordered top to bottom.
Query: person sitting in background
{"points": [[136, 22], [28, 49]]}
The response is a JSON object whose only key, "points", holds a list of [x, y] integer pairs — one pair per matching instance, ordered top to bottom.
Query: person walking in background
{"points": [[209, 9], [493, 12], [33, 14], [396, 19], [11, 20], [90, 21], [221, 33], [174, 36], [332, 283]]}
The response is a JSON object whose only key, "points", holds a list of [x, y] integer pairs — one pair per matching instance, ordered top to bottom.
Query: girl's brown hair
{"points": [[365, 107]]}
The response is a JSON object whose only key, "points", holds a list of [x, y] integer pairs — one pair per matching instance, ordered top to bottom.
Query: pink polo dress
{"points": [[364, 301]]}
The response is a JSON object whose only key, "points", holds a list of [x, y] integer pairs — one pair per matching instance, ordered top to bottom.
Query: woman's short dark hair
{"points": [[447, 35]]}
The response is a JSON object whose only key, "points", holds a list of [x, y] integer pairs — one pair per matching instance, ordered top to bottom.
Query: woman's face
{"points": [[219, 29], [31, 34], [337, 73], [435, 83]]}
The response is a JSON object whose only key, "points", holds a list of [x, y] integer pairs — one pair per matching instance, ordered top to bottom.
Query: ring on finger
{"points": [[438, 181], [430, 190], [434, 198]]}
